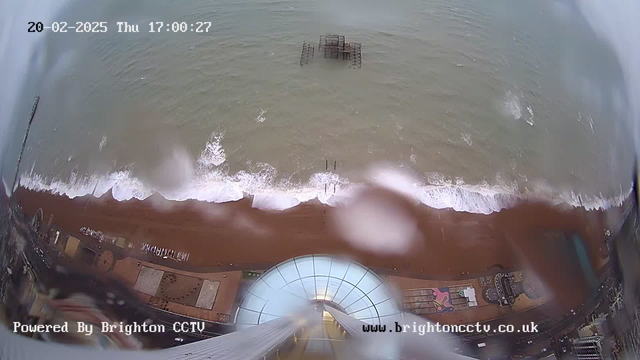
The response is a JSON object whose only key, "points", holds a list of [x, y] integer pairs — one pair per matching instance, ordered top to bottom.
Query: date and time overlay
{"points": [[120, 26]]}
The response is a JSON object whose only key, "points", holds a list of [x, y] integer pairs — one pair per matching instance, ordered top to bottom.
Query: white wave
{"points": [[511, 106], [261, 118], [529, 119], [591, 124], [466, 138], [103, 142], [370, 148], [213, 153], [210, 183], [434, 190], [475, 200], [280, 201]]}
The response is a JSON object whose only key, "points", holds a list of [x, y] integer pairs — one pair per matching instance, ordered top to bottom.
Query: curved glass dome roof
{"points": [[355, 290]]}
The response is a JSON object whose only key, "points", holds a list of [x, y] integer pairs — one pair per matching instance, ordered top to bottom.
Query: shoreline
{"points": [[442, 194]]}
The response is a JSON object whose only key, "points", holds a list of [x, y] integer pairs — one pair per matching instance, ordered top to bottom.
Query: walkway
{"points": [[322, 339]]}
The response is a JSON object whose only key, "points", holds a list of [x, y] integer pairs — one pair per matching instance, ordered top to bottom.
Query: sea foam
{"points": [[213, 153], [211, 182], [218, 187]]}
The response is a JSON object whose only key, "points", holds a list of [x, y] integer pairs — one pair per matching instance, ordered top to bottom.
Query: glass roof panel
{"points": [[322, 265], [305, 266], [339, 268], [289, 271], [355, 273], [274, 279], [369, 282], [289, 285], [310, 286], [321, 287], [333, 287], [262, 289], [298, 289], [344, 290], [379, 294], [354, 296], [253, 302], [358, 305], [387, 307], [365, 313], [247, 317], [264, 318]]}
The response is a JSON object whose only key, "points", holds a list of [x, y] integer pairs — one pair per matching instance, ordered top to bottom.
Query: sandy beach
{"points": [[217, 235]]}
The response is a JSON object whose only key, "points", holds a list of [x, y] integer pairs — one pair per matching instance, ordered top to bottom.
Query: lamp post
{"points": [[24, 142]]}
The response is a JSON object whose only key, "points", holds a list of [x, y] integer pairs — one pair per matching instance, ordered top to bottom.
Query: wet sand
{"points": [[217, 235]]}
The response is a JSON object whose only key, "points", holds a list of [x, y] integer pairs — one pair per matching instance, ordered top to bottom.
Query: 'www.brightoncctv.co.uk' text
{"points": [[422, 329]]}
